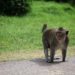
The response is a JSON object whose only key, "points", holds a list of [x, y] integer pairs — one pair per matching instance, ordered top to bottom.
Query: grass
{"points": [[24, 33], [28, 55]]}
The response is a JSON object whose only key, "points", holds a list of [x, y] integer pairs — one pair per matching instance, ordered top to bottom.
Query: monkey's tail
{"points": [[44, 27]]}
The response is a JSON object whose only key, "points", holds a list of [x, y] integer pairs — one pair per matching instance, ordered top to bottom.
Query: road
{"points": [[38, 67]]}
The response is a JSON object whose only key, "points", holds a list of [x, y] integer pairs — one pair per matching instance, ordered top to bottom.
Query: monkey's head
{"points": [[61, 34]]}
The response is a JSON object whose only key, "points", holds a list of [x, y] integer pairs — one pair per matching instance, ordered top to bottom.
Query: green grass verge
{"points": [[24, 33]]}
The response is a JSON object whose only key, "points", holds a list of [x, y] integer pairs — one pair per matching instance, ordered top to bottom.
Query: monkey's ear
{"points": [[60, 28], [67, 32]]}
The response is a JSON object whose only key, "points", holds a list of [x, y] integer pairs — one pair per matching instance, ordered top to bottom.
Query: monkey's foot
{"points": [[56, 58], [63, 60], [48, 61], [51, 61]]}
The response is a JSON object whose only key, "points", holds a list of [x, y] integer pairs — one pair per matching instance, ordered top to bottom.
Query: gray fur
{"points": [[52, 42]]}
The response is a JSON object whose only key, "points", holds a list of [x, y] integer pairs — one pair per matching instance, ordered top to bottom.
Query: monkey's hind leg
{"points": [[52, 53], [46, 54]]}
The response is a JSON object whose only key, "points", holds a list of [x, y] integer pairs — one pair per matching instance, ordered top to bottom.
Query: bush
{"points": [[58, 0], [14, 7]]}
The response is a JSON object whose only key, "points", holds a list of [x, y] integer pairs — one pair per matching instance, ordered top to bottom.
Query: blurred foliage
{"points": [[72, 2], [14, 7]]}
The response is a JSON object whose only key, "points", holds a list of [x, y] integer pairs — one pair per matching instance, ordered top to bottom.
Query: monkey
{"points": [[54, 39]]}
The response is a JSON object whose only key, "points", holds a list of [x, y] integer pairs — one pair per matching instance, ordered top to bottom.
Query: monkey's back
{"points": [[49, 38]]}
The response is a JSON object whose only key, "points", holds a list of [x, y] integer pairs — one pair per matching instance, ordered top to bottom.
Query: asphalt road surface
{"points": [[38, 67]]}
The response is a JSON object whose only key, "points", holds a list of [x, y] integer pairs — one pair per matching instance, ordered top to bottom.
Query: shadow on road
{"points": [[42, 62]]}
